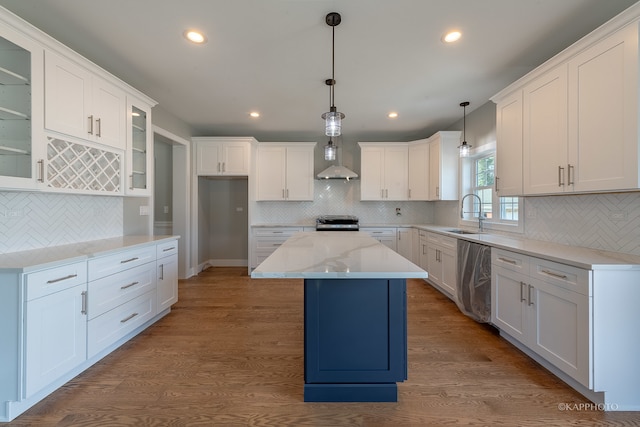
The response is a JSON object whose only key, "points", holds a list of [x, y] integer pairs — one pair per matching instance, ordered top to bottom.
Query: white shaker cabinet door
{"points": [[56, 337]]}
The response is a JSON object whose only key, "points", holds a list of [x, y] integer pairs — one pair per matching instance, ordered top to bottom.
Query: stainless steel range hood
{"points": [[337, 172]]}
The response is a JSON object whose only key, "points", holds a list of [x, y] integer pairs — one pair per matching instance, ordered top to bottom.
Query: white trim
{"points": [[183, 209]]}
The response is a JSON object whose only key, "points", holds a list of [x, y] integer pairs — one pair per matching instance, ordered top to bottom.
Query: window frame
{"points": [[467, 177]]}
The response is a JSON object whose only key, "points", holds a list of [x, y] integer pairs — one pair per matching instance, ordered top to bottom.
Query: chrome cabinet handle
{"points": [[99, 128], [90, 130], [219, 168], [224, 169], [569, 169], [41, 170], [560, 176], [131, 180], [495, 182], [438, 191], [287, 193], [382, 193], [409, 193], [169, 249], [129, 260], [509, 261], [161, 272], [551, 273], [71, 276], [129, 285], [522, 298], [530, 302], [83, 310], [126, 319]]}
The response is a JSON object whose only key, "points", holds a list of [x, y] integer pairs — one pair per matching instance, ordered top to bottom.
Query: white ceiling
{"points": [[274, 56]]}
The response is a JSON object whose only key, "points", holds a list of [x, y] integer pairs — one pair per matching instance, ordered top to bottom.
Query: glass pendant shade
{"points": [[333, 123], [464, 149], [330, 151]]}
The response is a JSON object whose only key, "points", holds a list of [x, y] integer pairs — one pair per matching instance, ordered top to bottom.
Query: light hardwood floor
{"points": [[230, 354]]}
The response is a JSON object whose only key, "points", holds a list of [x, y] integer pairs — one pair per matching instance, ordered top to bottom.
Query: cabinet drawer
{"points": [[275, 231], [380, 232], [268, 245], [167, 249], [510, 260], [110, 264], [565, 276], [55, 279], [111, 291], [110, 327]]}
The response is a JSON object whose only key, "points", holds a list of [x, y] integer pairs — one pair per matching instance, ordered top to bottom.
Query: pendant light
{"points": [[333, 118], [464, 147], [330, 150]]}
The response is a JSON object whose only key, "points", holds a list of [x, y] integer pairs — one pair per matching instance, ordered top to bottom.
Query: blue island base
{"points": [[355, 339], [387, 392]]}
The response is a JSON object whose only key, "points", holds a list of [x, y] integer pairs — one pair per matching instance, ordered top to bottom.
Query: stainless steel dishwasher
{"points": [[474, 280]]}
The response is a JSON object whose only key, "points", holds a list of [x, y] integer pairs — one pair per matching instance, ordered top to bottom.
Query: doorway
{"points": [[171, 193]]}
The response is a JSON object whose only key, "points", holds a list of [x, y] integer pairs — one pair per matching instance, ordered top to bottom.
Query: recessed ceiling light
{"points": [[195, 36], [452, 36], [254, 114], [392, 115]]}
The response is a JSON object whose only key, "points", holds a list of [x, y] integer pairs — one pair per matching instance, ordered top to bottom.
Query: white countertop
{"points": [[336, 255], [37, 259], [590, 259]]}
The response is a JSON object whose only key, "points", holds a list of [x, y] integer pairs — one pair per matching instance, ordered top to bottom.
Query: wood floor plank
{"points": [[231, 354]]}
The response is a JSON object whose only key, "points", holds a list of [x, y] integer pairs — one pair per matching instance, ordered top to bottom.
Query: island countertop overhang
{"points": [[336, 255]]}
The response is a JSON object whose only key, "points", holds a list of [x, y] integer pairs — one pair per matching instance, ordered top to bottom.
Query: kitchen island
{"points": [[355, 313]]}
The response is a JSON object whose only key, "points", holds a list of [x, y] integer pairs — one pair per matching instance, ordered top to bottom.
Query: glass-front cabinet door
{"points": [[21, 125], [139, 148]]}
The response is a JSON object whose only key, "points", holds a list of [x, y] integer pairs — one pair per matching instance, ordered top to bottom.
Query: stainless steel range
{"points": [[337, 223]]}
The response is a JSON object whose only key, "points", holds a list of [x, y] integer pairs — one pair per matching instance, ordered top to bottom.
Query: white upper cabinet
{"points": [[81, 104], [603, 114], [21, 115], [579, 118], [545, 133], [509, 145], [139, 154], [222, 156], [443, 165], [384, 170], [419, 170], [284, 171]]}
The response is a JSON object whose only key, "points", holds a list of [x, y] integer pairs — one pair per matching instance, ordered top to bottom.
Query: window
{"points": [[498, 212]]}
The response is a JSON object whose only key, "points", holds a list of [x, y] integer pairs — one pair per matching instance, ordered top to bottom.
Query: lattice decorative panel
{"points": [[80, 167]]}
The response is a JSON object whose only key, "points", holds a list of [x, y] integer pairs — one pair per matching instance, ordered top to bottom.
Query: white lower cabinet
{"points": [[386, 236], [265, 240], [405, 242], [441, 257], [167, 275], [545, 306], [58, 321], [55, 324]]}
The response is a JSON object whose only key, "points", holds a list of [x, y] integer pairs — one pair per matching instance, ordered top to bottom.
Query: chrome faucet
{"points": [[480, 217]]}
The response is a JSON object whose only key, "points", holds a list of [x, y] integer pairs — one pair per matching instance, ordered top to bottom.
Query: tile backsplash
{"points": [[338, 197], [30, 220], [609, 222]]}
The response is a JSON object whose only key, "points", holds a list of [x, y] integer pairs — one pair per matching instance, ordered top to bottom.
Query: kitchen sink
{"points": [[458, 231]]}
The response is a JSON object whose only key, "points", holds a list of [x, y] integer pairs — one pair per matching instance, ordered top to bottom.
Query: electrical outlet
{"points": [[166, 209], [144, 210]]}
